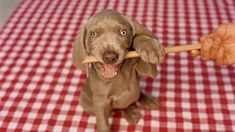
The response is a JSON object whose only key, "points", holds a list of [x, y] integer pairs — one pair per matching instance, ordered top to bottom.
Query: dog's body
{"points": [[113, 83]]}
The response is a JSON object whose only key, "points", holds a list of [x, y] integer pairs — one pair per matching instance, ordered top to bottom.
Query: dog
{"points": [[113, 82]]}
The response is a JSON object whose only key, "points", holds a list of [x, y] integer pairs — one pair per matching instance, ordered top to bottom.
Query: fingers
{"points": [[210, 46], [215, 48], [206, 49], [220, 56]]}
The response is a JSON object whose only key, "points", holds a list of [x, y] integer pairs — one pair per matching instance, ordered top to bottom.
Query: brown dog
{"points": [[113, 82]]}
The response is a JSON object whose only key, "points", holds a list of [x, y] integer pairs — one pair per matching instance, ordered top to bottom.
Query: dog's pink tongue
{"points": [[109, 70]]}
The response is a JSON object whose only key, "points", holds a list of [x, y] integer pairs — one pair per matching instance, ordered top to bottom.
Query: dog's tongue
{"points": [[109, 70]]}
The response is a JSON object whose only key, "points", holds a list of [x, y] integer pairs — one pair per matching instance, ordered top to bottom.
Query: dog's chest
{"points": [[125, 82]]}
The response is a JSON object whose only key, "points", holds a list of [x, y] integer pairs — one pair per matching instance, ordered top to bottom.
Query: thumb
{"points": [[195, 53]]}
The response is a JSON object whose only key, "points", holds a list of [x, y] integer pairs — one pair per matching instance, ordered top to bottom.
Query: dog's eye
{"points": [[123, 32], [93, 34]]}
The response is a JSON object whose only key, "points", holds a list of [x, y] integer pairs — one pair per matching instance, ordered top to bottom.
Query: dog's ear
{"points": [[138, 29], [79, 49], [143, 68], [146, 69]]}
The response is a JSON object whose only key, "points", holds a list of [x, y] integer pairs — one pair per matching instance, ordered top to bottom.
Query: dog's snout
{"points": [[110, 57]]}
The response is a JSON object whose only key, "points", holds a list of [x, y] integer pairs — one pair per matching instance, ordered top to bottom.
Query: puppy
{"points": [[113, 82]]}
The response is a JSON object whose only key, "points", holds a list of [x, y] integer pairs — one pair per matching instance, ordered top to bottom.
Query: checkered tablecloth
{"points": [[40, 89]]}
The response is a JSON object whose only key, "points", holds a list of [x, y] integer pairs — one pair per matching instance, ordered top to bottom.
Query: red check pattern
{"points": [[40, 89]]}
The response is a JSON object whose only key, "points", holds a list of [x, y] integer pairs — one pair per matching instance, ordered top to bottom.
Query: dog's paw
{"points": [[151, 51], [148, 102], [132, 114]]}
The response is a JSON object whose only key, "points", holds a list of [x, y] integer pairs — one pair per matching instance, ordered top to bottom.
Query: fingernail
{"points": [[217, 40], [209, 41], [221, 50]]}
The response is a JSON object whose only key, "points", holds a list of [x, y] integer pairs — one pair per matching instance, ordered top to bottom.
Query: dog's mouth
{"points": [[107, 71]]}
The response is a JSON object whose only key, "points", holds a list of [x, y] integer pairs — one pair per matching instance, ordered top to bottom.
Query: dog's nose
{"points": [[110, 57]]}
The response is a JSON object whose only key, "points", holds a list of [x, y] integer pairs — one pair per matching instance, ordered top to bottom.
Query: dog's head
{"points": [[108, 36]]}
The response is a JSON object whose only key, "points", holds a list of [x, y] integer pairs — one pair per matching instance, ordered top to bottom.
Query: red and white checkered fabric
{"points": [[40, 89]]}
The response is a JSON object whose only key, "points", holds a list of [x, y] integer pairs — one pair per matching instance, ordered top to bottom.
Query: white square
{"points": [[32, 62], [56, 63], [15, 69], [23, 77], [36, 78], [48, 78], [62, 79], [18, 85], [32, 85], [170, 85], [45, 86], [185, 86], [2, 93], [13, 94], [170, 94], [27, 95], [200, 95], [215, 96], [55, 97], [68, 97], [8, 104], [22, 104], [216, 104], [36, 105], [186, 105], [201, 105], [51, 106], [65, 107], [232, 108], [3, 113], [155, 113], [170, 114], [32, 115], [187, 115], [202, 115], [47, 116], [219, 116], [61, 117], [154, 123], [12, 125], [171, 125], [188, 125], [27, 126], [42, 127], [204, 127], [220, 127], [57, 128], [73, 129]]}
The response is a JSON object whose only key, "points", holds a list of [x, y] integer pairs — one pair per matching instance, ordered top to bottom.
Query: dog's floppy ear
{"points": [[139, 29], [79, 49], [143, 68]]}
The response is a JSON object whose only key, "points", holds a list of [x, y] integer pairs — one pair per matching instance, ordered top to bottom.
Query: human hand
{"points": [[219, 45]]}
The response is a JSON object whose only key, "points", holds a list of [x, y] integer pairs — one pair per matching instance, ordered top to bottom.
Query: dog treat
{"points": [[133, 54]]}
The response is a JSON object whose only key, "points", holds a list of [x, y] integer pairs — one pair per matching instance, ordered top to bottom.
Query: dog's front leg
{"points": [[150, 49], [102, 110]]}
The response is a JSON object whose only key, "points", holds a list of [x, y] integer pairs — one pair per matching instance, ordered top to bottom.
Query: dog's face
{"points": [[108, 38]]}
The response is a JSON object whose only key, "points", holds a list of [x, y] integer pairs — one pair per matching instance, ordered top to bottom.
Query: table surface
{"points": [[40, 89]]}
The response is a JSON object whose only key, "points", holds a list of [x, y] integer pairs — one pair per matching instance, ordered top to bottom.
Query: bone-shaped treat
{"points": [[133, 54]]}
